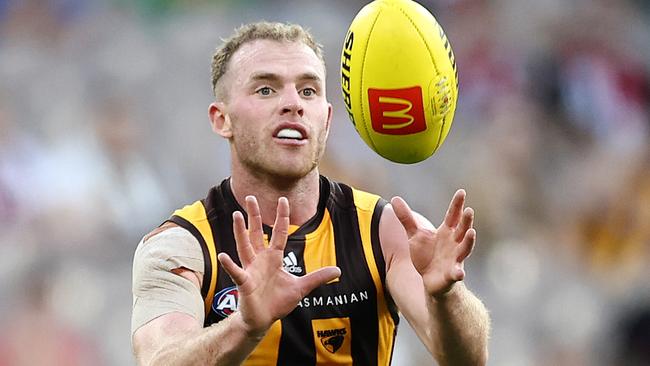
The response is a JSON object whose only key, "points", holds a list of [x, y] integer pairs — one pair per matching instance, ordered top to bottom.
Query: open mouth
{"points": [[290, 134]]}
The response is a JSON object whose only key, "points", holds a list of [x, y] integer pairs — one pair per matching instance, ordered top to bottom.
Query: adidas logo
{"points": [[290, 264]]}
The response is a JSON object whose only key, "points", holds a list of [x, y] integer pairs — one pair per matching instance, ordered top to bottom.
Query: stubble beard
{"points": [[262, 163]]}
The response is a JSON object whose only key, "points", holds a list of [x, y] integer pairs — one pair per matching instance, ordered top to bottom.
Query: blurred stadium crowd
{"points": [[104, 131]]}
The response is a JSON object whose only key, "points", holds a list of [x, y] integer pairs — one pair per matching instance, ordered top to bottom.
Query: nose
{"points": [[291, 102]]}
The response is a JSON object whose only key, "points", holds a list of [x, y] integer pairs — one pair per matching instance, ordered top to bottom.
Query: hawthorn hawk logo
{"points": [[332, 339]]}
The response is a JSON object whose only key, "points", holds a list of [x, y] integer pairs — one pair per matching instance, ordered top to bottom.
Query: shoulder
{"points": [[349, 196], [368, 201], [202, 210], [391, 224], [159, 229], [391, 230], [169, 232], [392, 235], [168, 244], [168, 248]]}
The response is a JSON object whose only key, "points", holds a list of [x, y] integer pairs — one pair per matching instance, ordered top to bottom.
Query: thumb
{"points": [[404, 215], [237, 274], [318, 278]]}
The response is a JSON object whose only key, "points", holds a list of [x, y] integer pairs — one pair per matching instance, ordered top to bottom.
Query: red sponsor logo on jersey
{"points": [[397, 111], [226, 301]]}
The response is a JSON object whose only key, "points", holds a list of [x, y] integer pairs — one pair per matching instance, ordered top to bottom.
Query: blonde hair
{"points": [[281, 32]]}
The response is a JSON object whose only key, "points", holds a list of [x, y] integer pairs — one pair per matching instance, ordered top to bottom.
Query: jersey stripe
{"points": [[365, 203], [195, 216], [319, 250], [379, 257], [355, 267], [296, 347], [266, 352]]}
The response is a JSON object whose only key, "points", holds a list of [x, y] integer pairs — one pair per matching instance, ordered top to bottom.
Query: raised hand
{"points": [[439, 254], [266, 291]]}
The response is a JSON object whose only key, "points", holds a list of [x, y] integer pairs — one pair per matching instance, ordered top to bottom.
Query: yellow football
{"points": [[399, 79]]}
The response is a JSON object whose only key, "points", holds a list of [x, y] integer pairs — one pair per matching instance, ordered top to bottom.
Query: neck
{"points": [[302, 193]]}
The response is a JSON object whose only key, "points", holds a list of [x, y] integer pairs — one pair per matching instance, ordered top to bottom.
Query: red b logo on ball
{"points": [[397, 111]]}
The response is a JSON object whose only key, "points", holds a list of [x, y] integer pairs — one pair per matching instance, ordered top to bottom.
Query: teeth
{"points": [[289, 133]]}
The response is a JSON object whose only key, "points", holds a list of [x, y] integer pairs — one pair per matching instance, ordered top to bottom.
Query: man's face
{"points": [[277, 109]]}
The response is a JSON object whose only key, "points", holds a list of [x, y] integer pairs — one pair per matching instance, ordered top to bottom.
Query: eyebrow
{"points": [[269, 76]]}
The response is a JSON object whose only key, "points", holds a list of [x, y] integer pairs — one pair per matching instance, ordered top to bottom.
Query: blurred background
{"points": [[104, 131]]}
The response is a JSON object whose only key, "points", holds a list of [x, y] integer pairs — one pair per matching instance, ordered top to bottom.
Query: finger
{"points": [[455, 209], [404, 215], [466, 223], [281, 226], [255, 231], [466, 247], [244, 248], [237, 274], [317, 278]]}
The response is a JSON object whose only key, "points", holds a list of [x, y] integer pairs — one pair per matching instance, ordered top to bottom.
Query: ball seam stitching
{"points": [[363, 63], [444, 119]]}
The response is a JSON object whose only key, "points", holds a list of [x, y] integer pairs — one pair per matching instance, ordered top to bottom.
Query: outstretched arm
{"points": [[425, 270], [266, 294], [178, 339]]}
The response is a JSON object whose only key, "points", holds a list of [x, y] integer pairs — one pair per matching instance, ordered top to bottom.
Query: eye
{"points": [[265, 91], [308, 92]]}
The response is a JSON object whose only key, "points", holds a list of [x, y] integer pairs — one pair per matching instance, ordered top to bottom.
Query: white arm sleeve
{"points": [[157, 290]]}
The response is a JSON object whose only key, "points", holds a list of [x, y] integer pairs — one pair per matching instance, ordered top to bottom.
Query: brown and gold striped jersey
{"points": [[350, 321]]}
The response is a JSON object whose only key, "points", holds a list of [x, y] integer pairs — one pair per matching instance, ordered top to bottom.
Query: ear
{"points": [[330, 112], [219, 120]]}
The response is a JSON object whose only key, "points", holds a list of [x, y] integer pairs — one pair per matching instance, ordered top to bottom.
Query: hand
{"points": [[439, 254], [266, 291]]}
